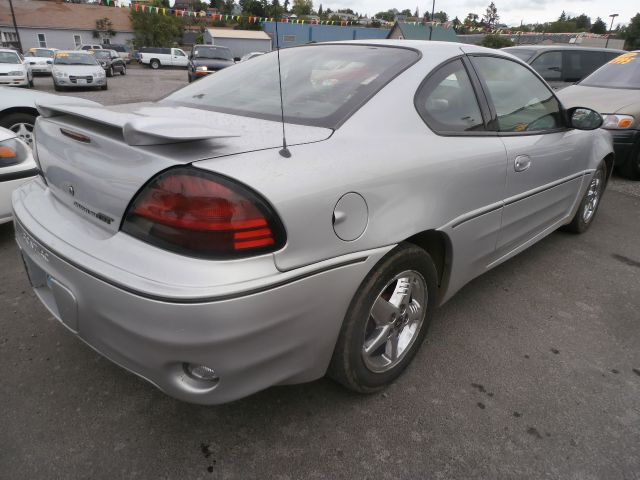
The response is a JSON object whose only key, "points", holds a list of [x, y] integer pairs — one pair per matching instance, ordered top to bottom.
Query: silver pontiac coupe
{"points": [[185, 241]]}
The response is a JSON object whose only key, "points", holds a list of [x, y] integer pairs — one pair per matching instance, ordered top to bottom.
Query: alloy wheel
{"points": [[24, 131], [593, 197], [394, 321]]}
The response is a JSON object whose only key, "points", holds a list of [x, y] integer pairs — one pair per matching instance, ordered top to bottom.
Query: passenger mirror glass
{"points": [[584, 118]]}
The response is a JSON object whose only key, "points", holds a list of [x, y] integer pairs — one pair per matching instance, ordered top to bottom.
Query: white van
{"points": [[157, 57]]}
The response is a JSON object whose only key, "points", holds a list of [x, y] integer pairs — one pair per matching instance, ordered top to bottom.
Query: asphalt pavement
{"points": [[531, 371]]}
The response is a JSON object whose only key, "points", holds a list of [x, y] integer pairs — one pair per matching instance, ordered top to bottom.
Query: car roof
{"points": [[424, 46], [565, 47], [8, 50], [82, 52]]}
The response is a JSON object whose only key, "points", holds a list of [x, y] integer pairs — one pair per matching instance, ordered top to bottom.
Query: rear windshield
{"points": [[118, 48], [216, 53], [521, 53], [9, 57], [72, 58], [621, 72], [321, 85]]}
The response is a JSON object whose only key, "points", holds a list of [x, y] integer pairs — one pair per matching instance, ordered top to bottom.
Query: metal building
{"points": [[240, 42]]}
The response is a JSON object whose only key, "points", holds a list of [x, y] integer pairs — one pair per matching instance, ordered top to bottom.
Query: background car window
{"points": [[521, 53], [578, 64], [549, 65], [621, 72], [447, 101], [522, 101]]}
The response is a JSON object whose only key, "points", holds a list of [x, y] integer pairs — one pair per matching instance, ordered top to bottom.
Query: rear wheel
{"points": [[155, 64], [124, 70], [110, 72], [104, 87], [21, 124], [583, 218], [386, 321]]}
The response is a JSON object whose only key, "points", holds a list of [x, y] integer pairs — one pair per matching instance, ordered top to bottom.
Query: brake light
{"points": [[201, 214]]}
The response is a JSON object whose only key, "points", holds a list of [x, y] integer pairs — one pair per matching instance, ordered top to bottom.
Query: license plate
{"points": [[81, 81]]}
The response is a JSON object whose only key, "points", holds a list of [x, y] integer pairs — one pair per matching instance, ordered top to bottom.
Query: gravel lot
{"points": [[531, 371]]}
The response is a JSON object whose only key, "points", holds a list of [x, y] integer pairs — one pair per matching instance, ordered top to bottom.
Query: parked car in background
{"points": [[89, 46], [123, 51], [251, 55], [157, 57], [40, 59], [206, 59], [110, 61], [561, 65], [77, 69], [14, 70], [614, 91], [16, 167], [214, 261]]}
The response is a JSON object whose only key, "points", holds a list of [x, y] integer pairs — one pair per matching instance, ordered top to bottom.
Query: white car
{"points": [[157, 57], [40, 59], [13, 69], [77, 69], [16, 167]]}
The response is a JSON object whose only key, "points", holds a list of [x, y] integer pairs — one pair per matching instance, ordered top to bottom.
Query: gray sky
{"points": [[510, 11]]}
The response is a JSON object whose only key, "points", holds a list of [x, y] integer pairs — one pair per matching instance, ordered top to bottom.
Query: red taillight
{"points": [[201, 214]]}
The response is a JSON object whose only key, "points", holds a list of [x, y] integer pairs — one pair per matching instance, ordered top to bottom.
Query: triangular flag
{"points": [[136, 6]]}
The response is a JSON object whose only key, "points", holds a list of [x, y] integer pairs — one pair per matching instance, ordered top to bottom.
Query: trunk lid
{"points": [[95, 159]]}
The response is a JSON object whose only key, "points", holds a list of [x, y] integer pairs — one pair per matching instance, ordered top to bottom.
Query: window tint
{"points": [[579, 63], [549, 65], [447, 101], [522, 101]]}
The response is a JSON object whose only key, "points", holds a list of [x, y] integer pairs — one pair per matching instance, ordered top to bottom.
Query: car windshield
{"points": [[40, 52], [102, 53], [217, 53], [521, 53], [9, 57], [73, 58], [621, 72], [321, 85]]}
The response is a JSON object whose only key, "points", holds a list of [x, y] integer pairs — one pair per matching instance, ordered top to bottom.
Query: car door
{"points": [[178, 58], [549, 65], [471, 160], [546, 160]]}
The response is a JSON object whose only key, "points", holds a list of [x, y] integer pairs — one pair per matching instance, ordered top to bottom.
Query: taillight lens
{"points": [[197, 213]]}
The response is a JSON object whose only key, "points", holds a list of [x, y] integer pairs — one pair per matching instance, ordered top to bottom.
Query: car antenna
{"points": [[284, 151]]}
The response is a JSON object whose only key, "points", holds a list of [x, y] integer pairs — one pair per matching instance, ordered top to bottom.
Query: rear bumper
{"points": [[626, 143], [284, 333]]}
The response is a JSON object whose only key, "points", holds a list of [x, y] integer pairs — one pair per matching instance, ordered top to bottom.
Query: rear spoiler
{"points": [[137, 130]]}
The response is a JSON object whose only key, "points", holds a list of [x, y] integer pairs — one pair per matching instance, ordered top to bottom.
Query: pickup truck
{"points": [[157, 57]]}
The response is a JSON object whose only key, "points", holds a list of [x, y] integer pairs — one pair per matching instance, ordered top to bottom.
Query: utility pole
{"points": [[433, 11], [613, 16], [15, 26]]}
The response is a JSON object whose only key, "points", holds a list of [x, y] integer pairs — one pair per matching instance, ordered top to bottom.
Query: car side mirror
{"points": [[236, 59], [584, 118]]}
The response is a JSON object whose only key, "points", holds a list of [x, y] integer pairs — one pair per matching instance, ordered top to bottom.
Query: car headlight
{"points": [[201, 69], [16, 73], [100, 73], [59, 74], [617, 122], [13, 152]]}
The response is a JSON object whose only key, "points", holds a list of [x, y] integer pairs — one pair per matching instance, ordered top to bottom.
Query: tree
{"points": [[212, 3], [302, 7], [320, 10], [406, 12], [416, 13], [387, 16], [491, 16], [441, 17], [563, 17], [471, 20], [583, 22], [599, 26], [104, 29], [151, 30], [631, 33], [493, 40]]}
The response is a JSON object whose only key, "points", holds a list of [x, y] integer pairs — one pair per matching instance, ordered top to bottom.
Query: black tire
{"points": [[155, 64], [124, 70], [110, 72], [189, 78], [30, 83], [57, 87], [104, 87], [13, 119], [631, 168], [586, 212], [347, 364]]}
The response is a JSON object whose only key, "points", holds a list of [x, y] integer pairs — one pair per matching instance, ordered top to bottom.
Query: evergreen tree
{"points": [[491, 16], [599, 26]]}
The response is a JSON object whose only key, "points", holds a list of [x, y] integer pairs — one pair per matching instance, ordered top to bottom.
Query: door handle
{"points": [[522, 163]]}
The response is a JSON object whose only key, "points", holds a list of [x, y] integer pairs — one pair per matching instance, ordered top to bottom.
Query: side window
{"points": [[178, 53], [580, 63], [549, 65], [447, 101], [523, 103]]}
